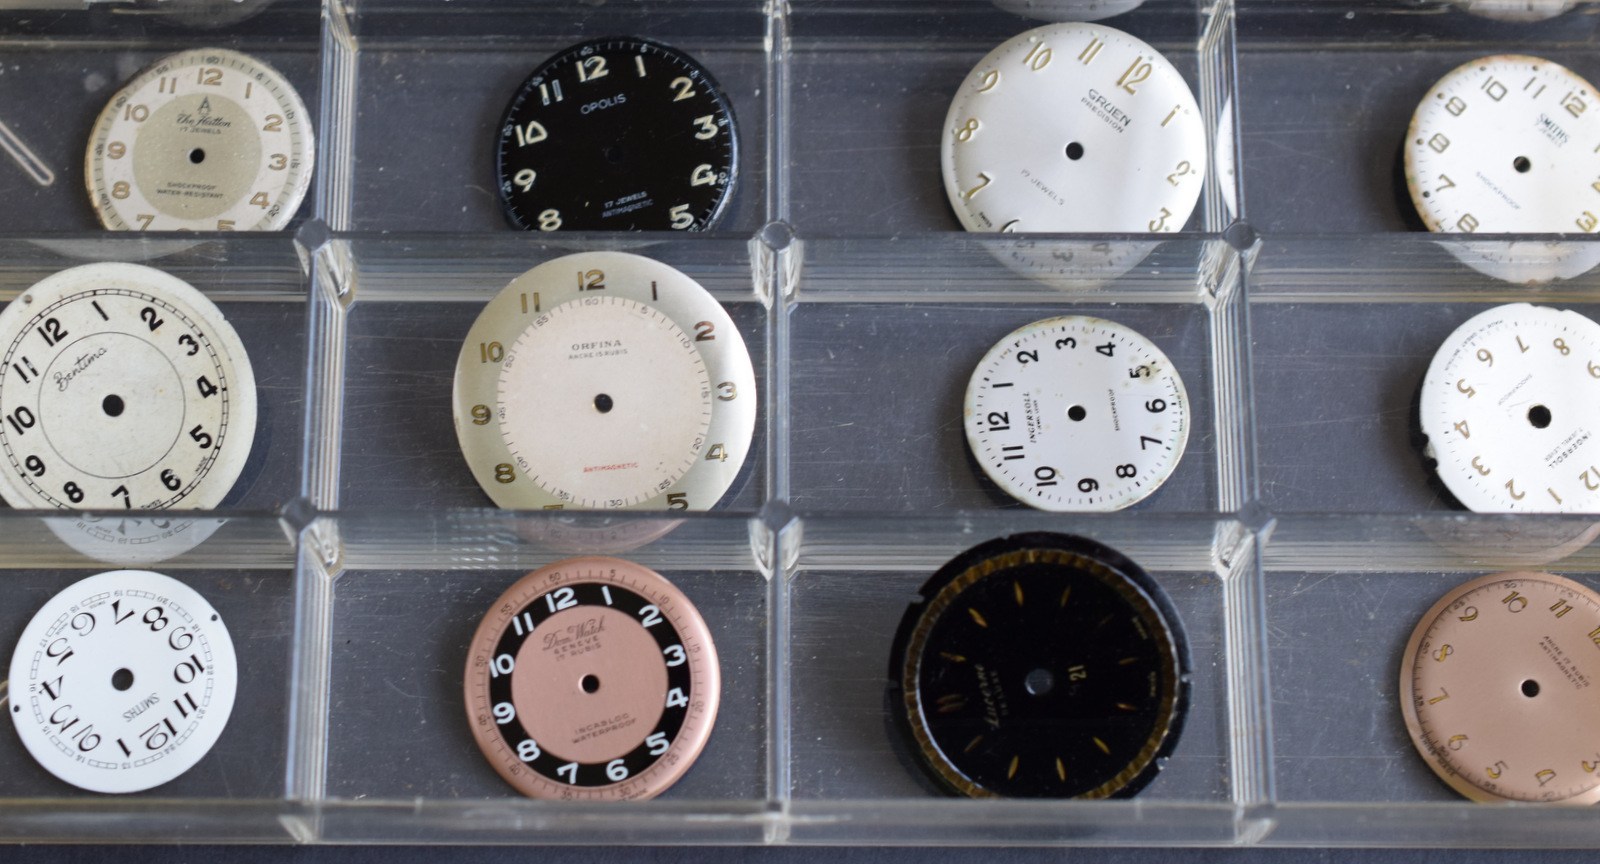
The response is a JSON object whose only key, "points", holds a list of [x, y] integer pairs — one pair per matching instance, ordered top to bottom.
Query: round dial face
{"points": [[1069, 10], [1516, 10], [1073, 127], [617, 135], [202, 140], [1506, 144], [1528, 262], [1071, 264], [605, 380], [121, 387], [1511, 408], [1077, 413], [1041, 666], [592, 679], [123, 681], [1497, 687]]}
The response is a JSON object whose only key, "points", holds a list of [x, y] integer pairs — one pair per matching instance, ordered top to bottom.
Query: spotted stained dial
{"points": [[1073, 127], [617, 135], [203, 140], [1506, 144], [121, 387], [1511, 411], [1077, 413], [1040, 666], [592, 679], [1497, 689]]}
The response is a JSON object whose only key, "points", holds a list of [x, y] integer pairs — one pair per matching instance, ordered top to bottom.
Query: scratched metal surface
{"points": [[49, 100], [1321, 130], [406, 181], [1336, 389], [877, 392], [400, 448], [1335, 641], [397, 726], [843, 745], [250, 758]]}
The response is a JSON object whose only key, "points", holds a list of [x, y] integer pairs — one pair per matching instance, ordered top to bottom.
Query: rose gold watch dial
{"points": [[592, 679], [1500, 687]]}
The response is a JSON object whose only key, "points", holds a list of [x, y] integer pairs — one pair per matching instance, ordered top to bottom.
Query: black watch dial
{"points": [[618, 134]]}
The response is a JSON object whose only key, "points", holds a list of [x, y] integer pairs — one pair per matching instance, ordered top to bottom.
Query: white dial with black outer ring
{"points": [[1073, 127], [202, 140], [1507, 144], [605, 380], [121, 388], [1511, 410], [1077, 414], [592, 679], [123, 681]]}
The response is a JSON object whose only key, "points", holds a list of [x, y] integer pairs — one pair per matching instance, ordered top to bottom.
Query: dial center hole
{"points": [[1074, 151], [613, 154], [197, 155], [1522, 164], [603, 403], [112, 405], [1076, 413], [1539, 416], [122, 679], [1039, 682], [590, 683], [1530, 688]]}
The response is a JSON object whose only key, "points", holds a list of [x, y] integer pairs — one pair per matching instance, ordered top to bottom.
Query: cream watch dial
{"points": [[1068, 10], [1516, 10], [1073, 127], [202, 140], [1507, 144], [605, 380], [121, 387], [1511, 409], [1077, 414], [123, 681], [1497, 689]]}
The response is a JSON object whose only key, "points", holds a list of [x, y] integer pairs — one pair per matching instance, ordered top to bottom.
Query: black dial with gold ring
{"points": [[1041, 665]]}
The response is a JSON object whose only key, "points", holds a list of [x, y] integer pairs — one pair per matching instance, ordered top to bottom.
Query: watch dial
{"points": [[1068, 10], [1074, 127], [617, 135], [202, 140], [1506, 144], [605, 380], [121, 387], [1510, 406], [1077, 413], [1041, 666], [592, 679], [123, 681], [1496, 689]]}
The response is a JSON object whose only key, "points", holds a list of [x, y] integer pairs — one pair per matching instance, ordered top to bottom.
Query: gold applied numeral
{"points": [[1089, 53], [1038, 57], [1138, 73], [210, 77], [992, 77], [1532, 81], [167, 85], [247, 87], [1497, 91], [1574, 103], [1455, 106], [1175, 110], [136, 113], [274, 124], [965, 132], [1439, 143], [116, 149], [279, 162], [1183, 169], [1448, 184], [120, 189], [974, 190], [260, 200], [144, 221], [1588, 221], [1160, 223], [1467, 223], [224, 224], [591, 280], [1520, 345], [491, 352], [1462, 386], [727, 392], [480, 415], [1465, 431], [717, 454], [1482, 471], [1587, 483], [1553, 494], [1518, 496], [1514, 602], [1563, 606], [1472, 614], [1594, 635], [1444, 651], [1077, 673], [1443, 695], [1456, 742], [1494, 771], [1545, 776]]}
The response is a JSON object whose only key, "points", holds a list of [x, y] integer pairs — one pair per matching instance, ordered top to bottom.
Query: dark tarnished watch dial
{"points": [[618, 134], [1041, 666]]}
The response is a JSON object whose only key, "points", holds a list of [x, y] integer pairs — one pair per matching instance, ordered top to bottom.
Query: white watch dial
{"points": [[1068, 10], [1516, 10], [1073, 127], [202, 140], [1506, 144], [605, 380], [121, 387], [1511, 408], [1077, 414], [123, 681]]}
